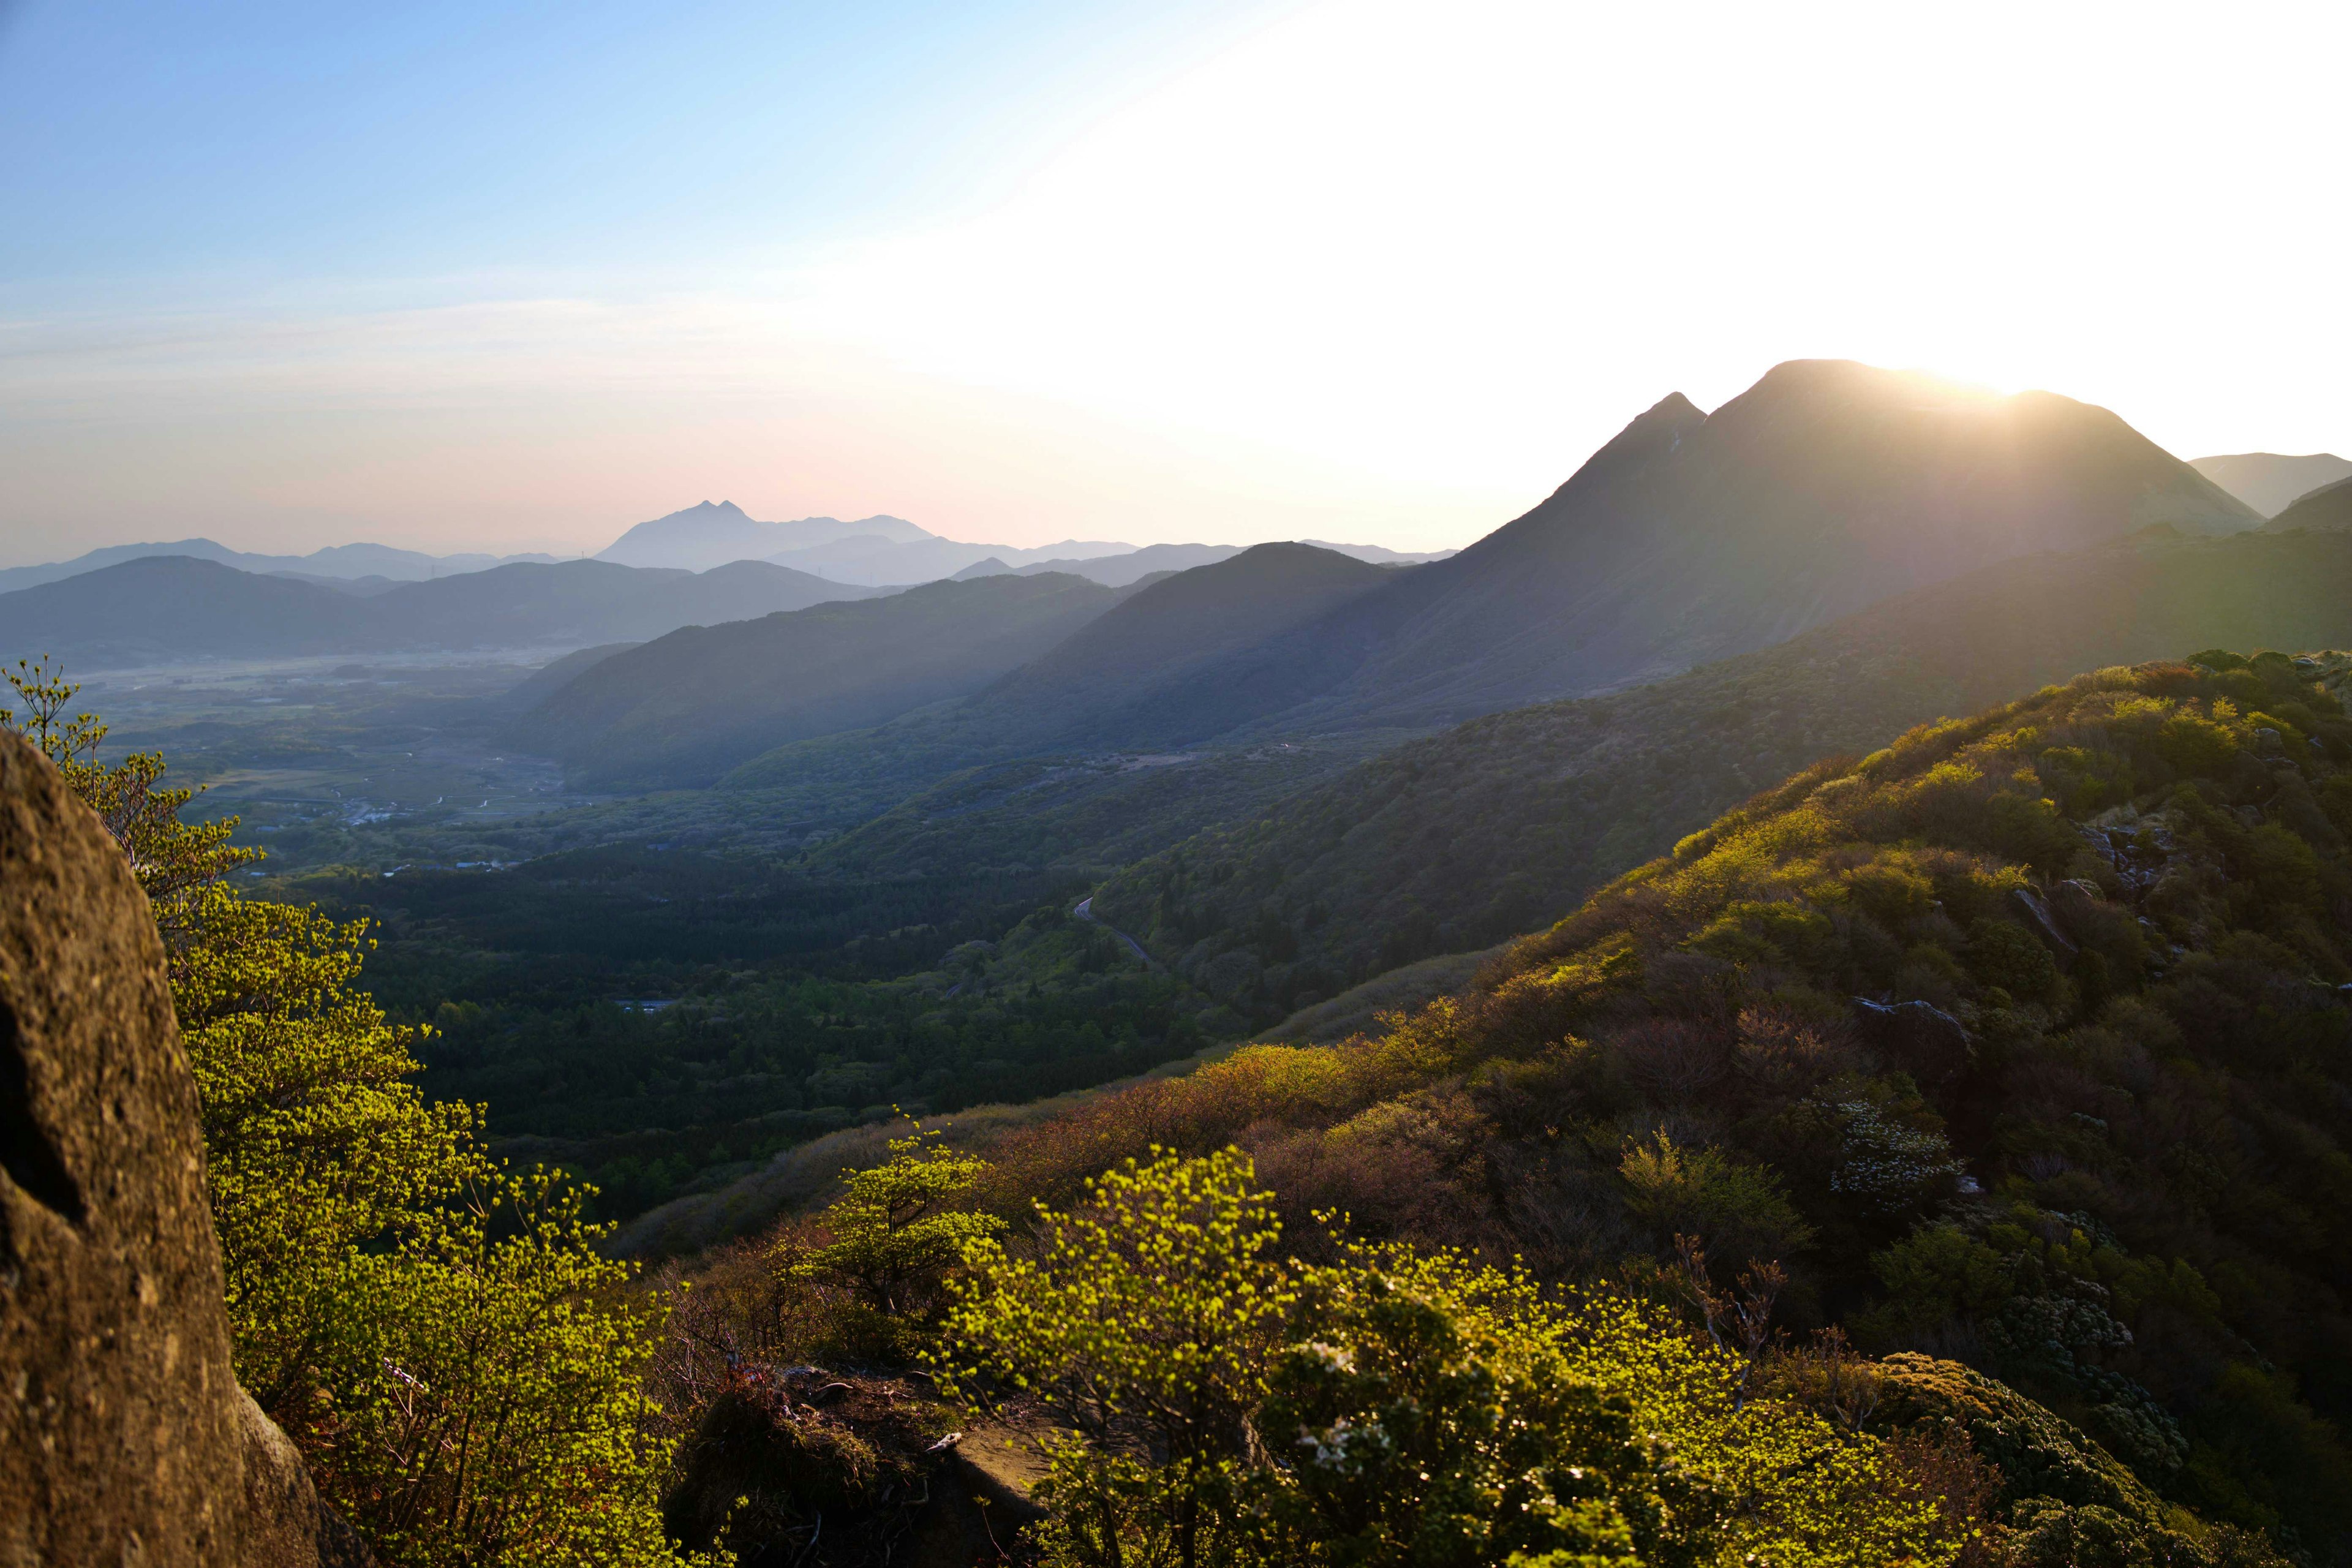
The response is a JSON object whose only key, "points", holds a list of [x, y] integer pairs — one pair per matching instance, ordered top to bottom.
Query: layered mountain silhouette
{"points": [[2269, 482], [1827, 487], [2328, 507], [874, 551], [882, 551], [337, 564], [1137, 564], [1118, 571], [155, 608], [160, 609], [1126, 678], [1129, 679], [686, 707], [1502, 824]]}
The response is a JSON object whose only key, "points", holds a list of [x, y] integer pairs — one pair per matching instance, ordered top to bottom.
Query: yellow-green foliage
{"points": [[1904, 1026], [317, 1144], [900, 1227], [1146, 1320], [440, 1338], [486, 1384], [1231, 1405]]}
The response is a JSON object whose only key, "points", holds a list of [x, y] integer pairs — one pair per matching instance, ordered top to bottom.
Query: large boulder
{"points": [[123, 1434]]}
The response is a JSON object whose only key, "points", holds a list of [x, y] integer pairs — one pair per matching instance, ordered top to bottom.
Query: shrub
{"points": [[2005, 955], [1739, 1210], [894, 1236], [1393, 1407]]}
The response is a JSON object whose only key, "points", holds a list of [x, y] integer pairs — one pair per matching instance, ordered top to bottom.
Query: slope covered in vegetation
{"points": [[1464, 839], [2023, 1042]]}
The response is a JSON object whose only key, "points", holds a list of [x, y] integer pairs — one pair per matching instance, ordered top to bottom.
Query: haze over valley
{"points": [[1215, 786]]}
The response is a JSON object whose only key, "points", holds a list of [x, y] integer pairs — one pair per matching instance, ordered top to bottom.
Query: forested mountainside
{"points": [[2328, 507], [168, 609], [1103, 684], [687, 707], [1461, 840], [2024, 1041], [1983, 1096]]}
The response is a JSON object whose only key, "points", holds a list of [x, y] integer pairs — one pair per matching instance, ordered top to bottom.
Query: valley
{"points": [[1265, 784], [697, 909]]}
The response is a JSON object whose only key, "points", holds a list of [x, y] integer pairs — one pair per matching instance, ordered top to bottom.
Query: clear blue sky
{"points": [[157, 144], [518, 276]]}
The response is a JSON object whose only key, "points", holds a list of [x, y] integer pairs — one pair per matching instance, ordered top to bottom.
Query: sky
{"points": [[489, 276]]}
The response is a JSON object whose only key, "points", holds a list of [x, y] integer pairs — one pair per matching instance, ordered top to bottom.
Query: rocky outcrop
{"points": [[123, 1434]]}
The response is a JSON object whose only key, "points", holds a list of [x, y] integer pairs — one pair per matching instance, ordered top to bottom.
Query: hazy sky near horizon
{"points": [[503, 276]]}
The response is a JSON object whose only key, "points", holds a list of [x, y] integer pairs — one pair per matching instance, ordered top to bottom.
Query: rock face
{"points": [[123, 1434]]}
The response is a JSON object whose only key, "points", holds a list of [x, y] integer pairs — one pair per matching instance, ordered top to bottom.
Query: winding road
{"points": [[1084, 910]]}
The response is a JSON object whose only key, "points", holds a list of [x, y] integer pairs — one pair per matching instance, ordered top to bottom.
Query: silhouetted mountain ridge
{"points": [[2269, 482], [2328, 507], [163, 609], [688, 706]]}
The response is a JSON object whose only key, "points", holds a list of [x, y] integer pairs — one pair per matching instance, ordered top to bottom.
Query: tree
{"points": [[895, 1232], [1145, 1320], [439, 1337], [1395, 1409], [1409, 1426]]}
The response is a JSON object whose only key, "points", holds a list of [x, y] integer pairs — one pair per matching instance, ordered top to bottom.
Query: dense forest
{"points": [[663, 1020]]}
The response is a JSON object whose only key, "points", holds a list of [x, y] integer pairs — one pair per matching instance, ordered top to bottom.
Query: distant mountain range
{"points": [[2268, 482], [1824, 488], [881, 550], [874, 552], [338, 564], [164, 609], [683, 709]]}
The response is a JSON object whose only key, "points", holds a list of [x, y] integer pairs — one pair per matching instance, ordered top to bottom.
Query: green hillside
{"points": [[1460, 840], [2023, 1042]]}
